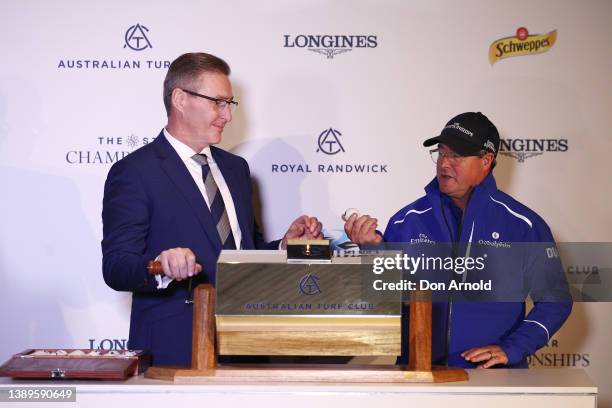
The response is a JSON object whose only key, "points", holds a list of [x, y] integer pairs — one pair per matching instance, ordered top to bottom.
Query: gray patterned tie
{"points": [[215, 201]]}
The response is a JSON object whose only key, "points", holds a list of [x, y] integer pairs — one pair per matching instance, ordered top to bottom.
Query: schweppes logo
{"points": [[521, 44]]}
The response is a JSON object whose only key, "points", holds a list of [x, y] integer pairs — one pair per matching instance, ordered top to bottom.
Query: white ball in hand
{"points": [[350, 211]]}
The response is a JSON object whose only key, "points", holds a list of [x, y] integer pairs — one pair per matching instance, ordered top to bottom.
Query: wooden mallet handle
{"points": [[155, 268]]}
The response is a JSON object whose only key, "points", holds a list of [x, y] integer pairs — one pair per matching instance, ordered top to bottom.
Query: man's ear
{"points": [[178, 99], [487, 159]]}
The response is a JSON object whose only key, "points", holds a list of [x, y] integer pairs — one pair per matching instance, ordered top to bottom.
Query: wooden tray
{"points": [[76, 364]]}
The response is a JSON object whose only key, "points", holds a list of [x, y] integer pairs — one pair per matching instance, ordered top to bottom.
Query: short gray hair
{"points": [[185, 69]]}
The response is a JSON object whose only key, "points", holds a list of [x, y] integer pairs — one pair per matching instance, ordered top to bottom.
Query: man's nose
{"points": [[226, 113], [443, 162]]}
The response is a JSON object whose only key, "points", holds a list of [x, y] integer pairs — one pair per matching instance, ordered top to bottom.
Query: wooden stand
{"points": [[204, 368]]}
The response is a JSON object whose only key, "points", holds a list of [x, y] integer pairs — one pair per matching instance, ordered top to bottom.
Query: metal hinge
{"points": [[58, 373]]}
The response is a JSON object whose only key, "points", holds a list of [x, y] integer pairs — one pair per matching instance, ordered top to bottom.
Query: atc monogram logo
{"points": [[136, 38], [329, 142], [523, 149], [309, 285]]}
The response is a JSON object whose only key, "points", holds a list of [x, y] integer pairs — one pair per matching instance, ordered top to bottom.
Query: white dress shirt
{"points": [[186, 153]]}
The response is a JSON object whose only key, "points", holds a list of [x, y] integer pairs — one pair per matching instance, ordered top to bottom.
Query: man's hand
{"points": [[304, 227], [362, 230], [179, 263], [487, 356]]}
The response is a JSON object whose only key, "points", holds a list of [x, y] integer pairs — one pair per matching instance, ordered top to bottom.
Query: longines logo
{"points": [[136, 38], [330, 45], [329, 143], [523, 149], [108, 150], [309, 285], [108, 344], [551, 357]]}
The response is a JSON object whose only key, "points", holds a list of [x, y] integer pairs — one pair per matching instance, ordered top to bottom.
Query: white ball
{"points": [[350, 211]]}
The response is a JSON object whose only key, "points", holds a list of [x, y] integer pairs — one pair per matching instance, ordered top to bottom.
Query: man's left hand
{"points": [[304, 227], [487, 356]]}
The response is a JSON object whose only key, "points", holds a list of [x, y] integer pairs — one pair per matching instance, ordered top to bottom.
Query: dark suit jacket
{"points": [[151, 203]]}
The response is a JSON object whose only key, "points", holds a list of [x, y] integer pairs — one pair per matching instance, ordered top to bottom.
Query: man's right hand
{"points": [[362, 230], [179, 263]]}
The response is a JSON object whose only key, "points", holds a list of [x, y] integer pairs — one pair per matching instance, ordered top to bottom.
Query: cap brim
{"points": [[431, 142], [457, 144]]}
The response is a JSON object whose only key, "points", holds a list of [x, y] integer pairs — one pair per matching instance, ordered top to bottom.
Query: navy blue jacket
{"points": [[151, 203], [522, 260]]}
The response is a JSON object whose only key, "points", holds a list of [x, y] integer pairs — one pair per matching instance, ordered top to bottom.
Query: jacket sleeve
{"points": [[125, 217], [552, 302], [534, 332]]}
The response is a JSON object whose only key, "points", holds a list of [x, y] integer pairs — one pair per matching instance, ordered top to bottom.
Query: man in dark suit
{"points": [[180, 200]]}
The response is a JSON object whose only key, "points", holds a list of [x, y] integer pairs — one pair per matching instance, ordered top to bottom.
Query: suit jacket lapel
{"points": [[177, 172]]}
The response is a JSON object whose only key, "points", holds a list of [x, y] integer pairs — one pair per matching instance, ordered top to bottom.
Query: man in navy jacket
{"points": [[180, 200], [464, 211]]}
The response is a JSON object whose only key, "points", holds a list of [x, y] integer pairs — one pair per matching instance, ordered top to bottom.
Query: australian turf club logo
{"points": [[136, 38], [329, 142]]}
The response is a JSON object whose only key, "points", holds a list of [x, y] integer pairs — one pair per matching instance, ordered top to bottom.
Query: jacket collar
{"points": [[177, 172], [488, 186], [441, 204]]}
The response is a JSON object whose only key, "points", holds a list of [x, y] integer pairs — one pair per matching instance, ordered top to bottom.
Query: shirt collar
{"points": [[185, 152]]}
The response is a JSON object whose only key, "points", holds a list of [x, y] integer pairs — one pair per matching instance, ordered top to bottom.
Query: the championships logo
{"points": [[136, 38], [522, 43], [329, 45], [329, 143], [523, 149], [107, 150], [552, 356]]}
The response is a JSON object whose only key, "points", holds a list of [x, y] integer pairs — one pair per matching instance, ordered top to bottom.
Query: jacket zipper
{"points": [[449, 310]]}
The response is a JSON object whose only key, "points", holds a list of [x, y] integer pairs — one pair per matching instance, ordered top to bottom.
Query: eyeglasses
{"points": [[220, 103], [452, 157]]}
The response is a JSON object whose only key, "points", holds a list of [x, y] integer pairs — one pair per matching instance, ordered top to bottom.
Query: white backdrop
{"points": [[72, 102]]}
